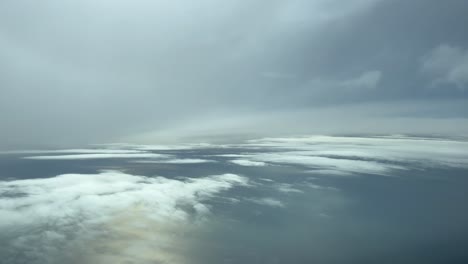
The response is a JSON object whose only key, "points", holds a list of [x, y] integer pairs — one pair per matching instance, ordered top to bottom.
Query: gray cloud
{"points": [[449, 64], [94, 71], [368, 80]]}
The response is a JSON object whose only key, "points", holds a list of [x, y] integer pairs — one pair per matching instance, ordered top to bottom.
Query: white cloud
{"points": [[449, 64], [146, 147], [77, 151], [233, 155], [351, 155], [97, 156], [176, 161], [251, 163], [356, 166], [330, 172], [267, 180], [319, 187], [286, 188], [267, 201], [135, 217]]}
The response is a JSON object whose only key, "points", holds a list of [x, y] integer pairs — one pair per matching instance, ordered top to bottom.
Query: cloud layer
{"points": [[323, 154], [356, 155], [110, 216]]}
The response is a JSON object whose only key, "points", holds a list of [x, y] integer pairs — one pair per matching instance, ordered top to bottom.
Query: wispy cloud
{"points": [[367, 80], [75, 151], [97, 156], [176, 161], [251, 163], [356, 166], [286, 188], [268, 201]]}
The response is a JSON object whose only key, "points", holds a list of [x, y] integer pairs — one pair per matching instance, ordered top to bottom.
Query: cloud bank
{"points": [[356, 155], [110, 216]]}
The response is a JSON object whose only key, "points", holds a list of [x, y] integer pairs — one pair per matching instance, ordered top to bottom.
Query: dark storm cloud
{"points": [[88, 71]]}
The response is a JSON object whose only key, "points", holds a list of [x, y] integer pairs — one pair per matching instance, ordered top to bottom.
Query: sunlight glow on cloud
{"points": [[81, 212]]}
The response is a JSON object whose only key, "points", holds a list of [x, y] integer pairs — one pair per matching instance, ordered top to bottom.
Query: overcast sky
{"points": [[94, 71]]}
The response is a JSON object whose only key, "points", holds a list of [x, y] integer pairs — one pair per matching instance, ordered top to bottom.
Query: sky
{"points": [[98, 71]]}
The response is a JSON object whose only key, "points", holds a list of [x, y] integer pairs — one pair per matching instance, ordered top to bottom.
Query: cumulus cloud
{"points": [[449, 64], [108, 216]]}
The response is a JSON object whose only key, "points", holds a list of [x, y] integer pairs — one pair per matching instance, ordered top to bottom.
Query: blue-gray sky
{"points": [[93, 71]]}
